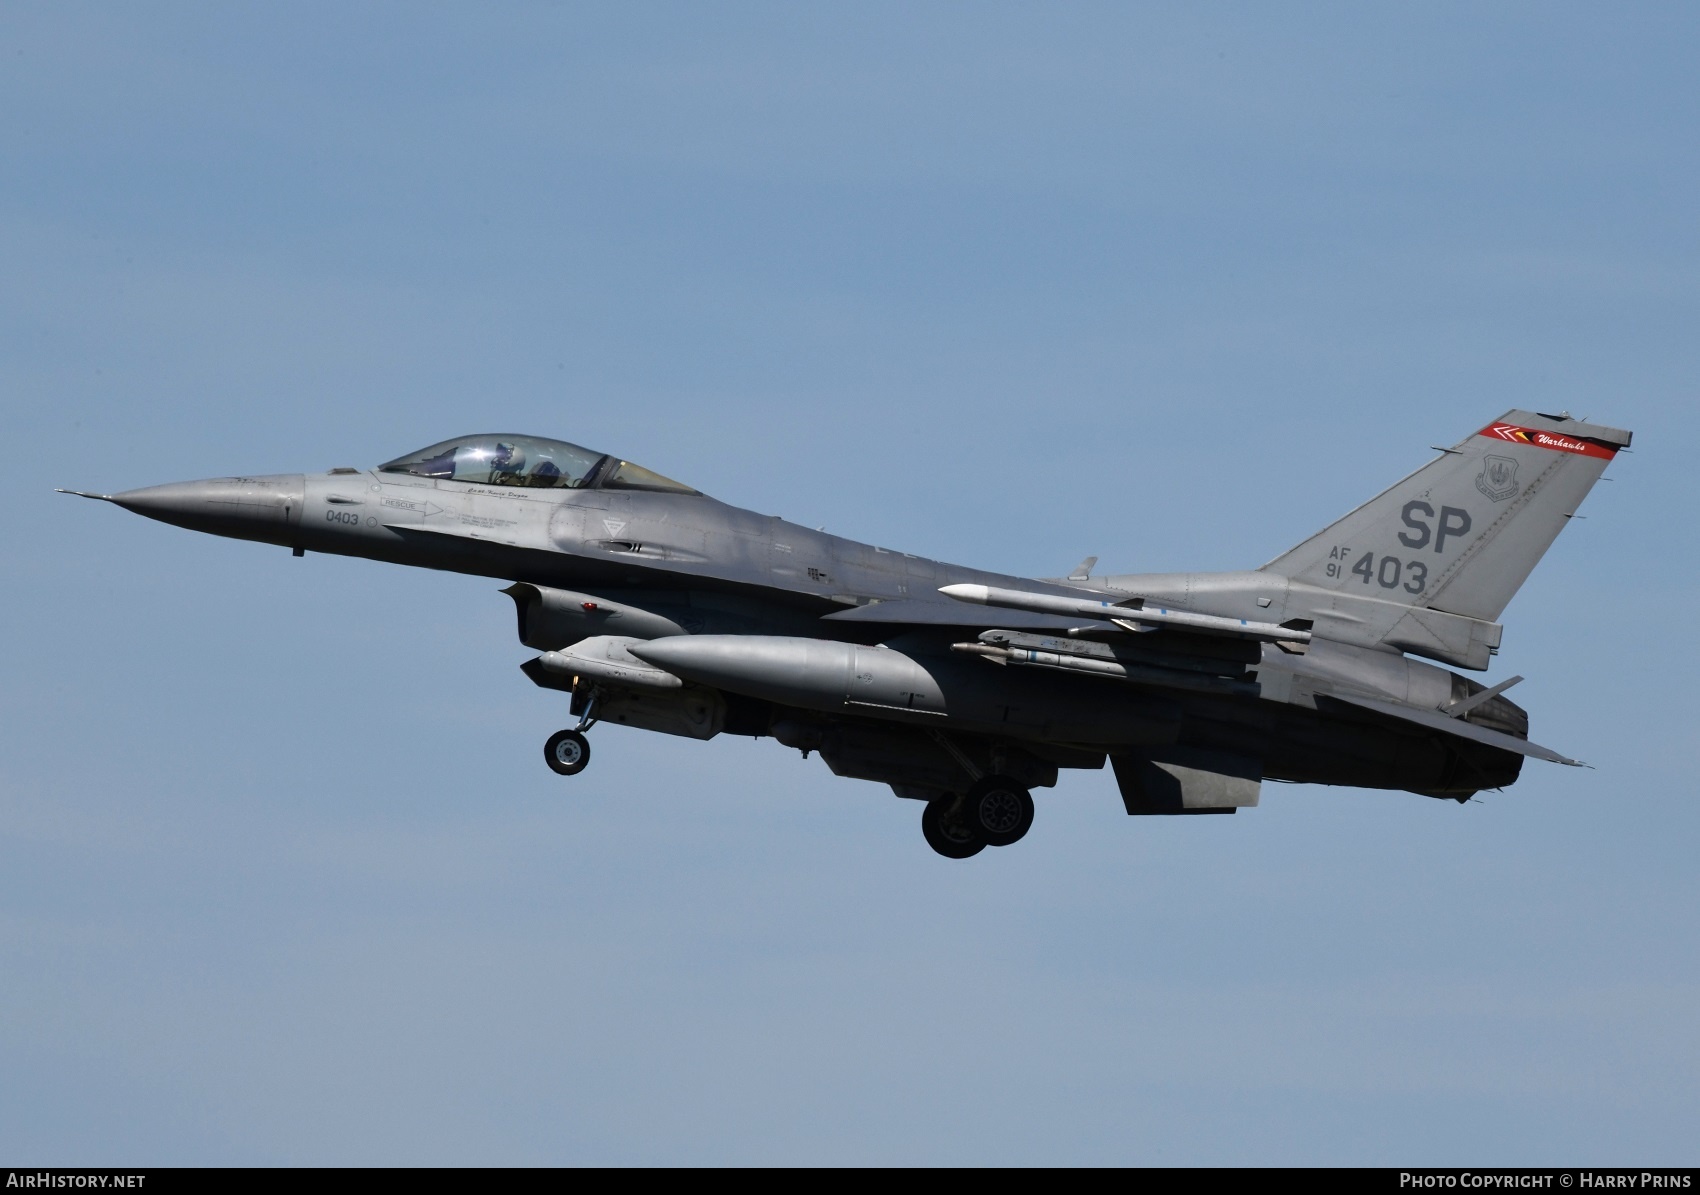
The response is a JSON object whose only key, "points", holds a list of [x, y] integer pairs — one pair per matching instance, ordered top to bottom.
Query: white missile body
{"points": [[1142, 616]]}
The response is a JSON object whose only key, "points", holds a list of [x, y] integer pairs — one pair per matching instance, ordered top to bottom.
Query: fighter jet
{"points": [[660, 608]]}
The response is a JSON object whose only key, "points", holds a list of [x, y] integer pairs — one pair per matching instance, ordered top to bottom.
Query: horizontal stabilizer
{"points": [[1457, 727]]}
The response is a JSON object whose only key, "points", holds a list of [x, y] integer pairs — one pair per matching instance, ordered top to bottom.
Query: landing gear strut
{"points": [[568, 752]]}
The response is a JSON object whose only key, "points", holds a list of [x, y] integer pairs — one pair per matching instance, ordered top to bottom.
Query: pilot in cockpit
{"points": [[530, 461], [507, 464], [507, 467]]}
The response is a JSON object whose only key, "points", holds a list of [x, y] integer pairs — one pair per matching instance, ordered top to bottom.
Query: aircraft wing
{"points": [[920, 612], [1083, 634], [1457, 727]]}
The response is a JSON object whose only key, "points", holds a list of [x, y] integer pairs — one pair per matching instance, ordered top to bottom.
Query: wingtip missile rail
{"points": [[1140, 616]]}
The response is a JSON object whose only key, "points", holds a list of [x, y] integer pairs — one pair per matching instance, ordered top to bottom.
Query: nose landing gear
{"points": [[568, 752]]}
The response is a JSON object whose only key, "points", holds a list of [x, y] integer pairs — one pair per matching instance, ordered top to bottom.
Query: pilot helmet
{"points": [[507, 458]]}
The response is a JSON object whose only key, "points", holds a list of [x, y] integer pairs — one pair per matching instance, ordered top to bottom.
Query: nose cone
{"points": [[263, 508]]}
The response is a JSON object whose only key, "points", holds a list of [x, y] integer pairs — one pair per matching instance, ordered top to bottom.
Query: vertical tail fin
{"points": [[1461, 534]]}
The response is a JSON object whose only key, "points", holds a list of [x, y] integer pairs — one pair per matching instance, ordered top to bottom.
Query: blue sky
{"points": [[282, 876]]}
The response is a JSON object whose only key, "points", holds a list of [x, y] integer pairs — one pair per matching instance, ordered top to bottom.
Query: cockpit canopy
{"points": [[530, 461]]}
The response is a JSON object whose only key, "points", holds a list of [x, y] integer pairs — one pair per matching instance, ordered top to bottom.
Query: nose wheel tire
{"points": [[567, 752], [999, 810], [947, 831]]}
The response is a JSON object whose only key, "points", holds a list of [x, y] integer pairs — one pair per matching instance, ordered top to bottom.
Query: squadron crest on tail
{"points": [[1498, 478]]}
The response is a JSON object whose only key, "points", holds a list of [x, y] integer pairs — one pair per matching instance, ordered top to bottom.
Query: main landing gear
{"points": [[568, 752], [995, 811]]}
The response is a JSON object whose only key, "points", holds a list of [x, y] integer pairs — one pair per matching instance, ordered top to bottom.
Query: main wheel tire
{"points": [[567, 752], [999, 809], [947, 831]]}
